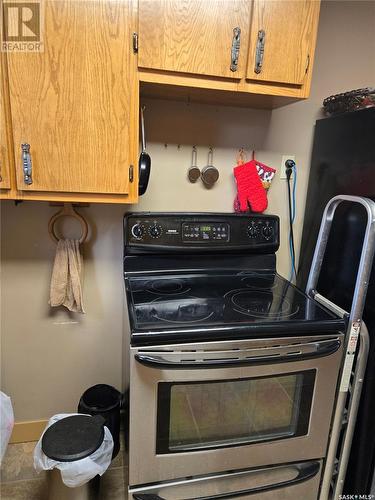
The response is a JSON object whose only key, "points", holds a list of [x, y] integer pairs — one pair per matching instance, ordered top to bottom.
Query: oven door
{"points": [[207, 408]]}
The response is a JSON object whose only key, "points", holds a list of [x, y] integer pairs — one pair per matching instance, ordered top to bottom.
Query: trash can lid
{"points": [[73, 438]]}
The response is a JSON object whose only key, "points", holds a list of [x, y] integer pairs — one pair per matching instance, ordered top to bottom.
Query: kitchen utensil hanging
{"points": [[144, 161], [194, 172], [209, 174], [68, 211]]}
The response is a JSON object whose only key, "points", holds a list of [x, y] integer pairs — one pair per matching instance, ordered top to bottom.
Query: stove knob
{"points": [[138, 231], [155, 231], [252, 231], [267, 232]]}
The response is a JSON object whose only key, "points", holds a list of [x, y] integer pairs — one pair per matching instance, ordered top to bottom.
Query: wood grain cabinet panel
{"points": [[192, 36], [289, 41], [74, 102], [4, 150]]}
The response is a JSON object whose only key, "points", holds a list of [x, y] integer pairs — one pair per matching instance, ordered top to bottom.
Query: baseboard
{"points": [[27, 431]]}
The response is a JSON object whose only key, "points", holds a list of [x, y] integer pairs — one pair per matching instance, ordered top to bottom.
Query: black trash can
{"points": [[104, 400]]}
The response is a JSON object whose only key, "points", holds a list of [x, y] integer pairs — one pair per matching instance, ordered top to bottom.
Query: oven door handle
{"points": [[159, 362], [305, 471], [146, 496]]}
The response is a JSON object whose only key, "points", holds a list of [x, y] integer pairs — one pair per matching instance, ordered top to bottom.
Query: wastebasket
{"points": [[104, 400], [74, 450]]}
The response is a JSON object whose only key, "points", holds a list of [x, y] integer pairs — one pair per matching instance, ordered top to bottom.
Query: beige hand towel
{"points": [[66, 281]]}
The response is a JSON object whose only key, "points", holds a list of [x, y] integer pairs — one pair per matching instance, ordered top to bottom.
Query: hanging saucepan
{"points": [[144, 161], [209, 174]]}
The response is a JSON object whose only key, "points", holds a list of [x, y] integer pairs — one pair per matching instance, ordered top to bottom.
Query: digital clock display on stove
{"points": [[201, 233]]}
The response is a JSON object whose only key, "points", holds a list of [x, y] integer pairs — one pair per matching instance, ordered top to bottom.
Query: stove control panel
{"points": [[198, 231], [205, 232]]}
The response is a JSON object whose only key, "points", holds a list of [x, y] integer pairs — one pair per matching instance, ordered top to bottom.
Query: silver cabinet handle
{"points": [[235, 51], [259, 51], [26, 164]]}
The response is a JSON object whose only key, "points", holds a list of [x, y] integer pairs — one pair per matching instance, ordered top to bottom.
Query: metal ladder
{"points": [[353, 367]]}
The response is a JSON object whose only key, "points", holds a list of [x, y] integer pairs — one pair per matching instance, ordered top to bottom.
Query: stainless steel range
{"points": [[233, 370]]}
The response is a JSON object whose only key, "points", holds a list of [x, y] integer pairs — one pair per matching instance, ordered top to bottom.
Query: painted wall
{"points": [[345, 60], [50, 357]]}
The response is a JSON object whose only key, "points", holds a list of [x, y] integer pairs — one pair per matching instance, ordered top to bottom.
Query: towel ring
{"points": [[68, 211]]}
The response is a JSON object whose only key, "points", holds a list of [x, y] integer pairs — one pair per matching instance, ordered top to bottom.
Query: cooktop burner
{"points": [[258, 282], [167, 287], [218, 300], [261, 304], [186, 310]]}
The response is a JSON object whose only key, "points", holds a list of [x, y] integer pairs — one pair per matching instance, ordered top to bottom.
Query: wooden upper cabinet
{"points": [[192, 36], [289, 39], [74, 102], [4, 151]]}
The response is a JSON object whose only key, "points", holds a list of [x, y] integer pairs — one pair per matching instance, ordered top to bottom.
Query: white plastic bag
{"points": [[6, 423], [79, 472]]}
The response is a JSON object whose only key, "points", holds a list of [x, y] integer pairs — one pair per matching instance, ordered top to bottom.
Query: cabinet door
{"points": [[289, 35], [192, 36], [73, 103], [4, 151]]}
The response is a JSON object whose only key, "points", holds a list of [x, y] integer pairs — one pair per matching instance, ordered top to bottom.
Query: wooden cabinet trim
{"points": [[6, 144]]}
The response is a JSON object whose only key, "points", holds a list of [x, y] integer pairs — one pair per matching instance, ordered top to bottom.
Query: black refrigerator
{"points": [[343, 162]]}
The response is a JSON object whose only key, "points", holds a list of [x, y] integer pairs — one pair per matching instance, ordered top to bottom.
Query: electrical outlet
{"points": [[282, 166]]}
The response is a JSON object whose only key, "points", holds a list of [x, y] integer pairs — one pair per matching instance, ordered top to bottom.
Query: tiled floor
{"points": [[19, 481]]}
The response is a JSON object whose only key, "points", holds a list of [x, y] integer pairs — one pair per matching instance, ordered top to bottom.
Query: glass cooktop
{"points": [[196, 301]]}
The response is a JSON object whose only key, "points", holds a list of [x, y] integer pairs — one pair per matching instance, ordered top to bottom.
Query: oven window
{"points": [[201, 415]]}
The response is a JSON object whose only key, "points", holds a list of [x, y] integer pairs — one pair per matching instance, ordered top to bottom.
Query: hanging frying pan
{"points": [[144, 161]]}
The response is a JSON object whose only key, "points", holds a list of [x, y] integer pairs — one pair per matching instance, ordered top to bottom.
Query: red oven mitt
{"points": [[250, 188]]}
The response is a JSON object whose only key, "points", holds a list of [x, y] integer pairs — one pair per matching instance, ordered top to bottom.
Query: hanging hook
{"points": [[210, 155], [194, 156], [241, 157], [68, 211]]}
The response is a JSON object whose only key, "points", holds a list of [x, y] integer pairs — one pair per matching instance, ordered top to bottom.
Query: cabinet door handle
{"points": [[259, 51], [235, 52], [26, 164]]}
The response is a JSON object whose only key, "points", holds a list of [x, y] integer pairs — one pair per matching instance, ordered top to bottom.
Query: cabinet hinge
{"points": [[135, 43], [307, 64], [131, 173]]}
